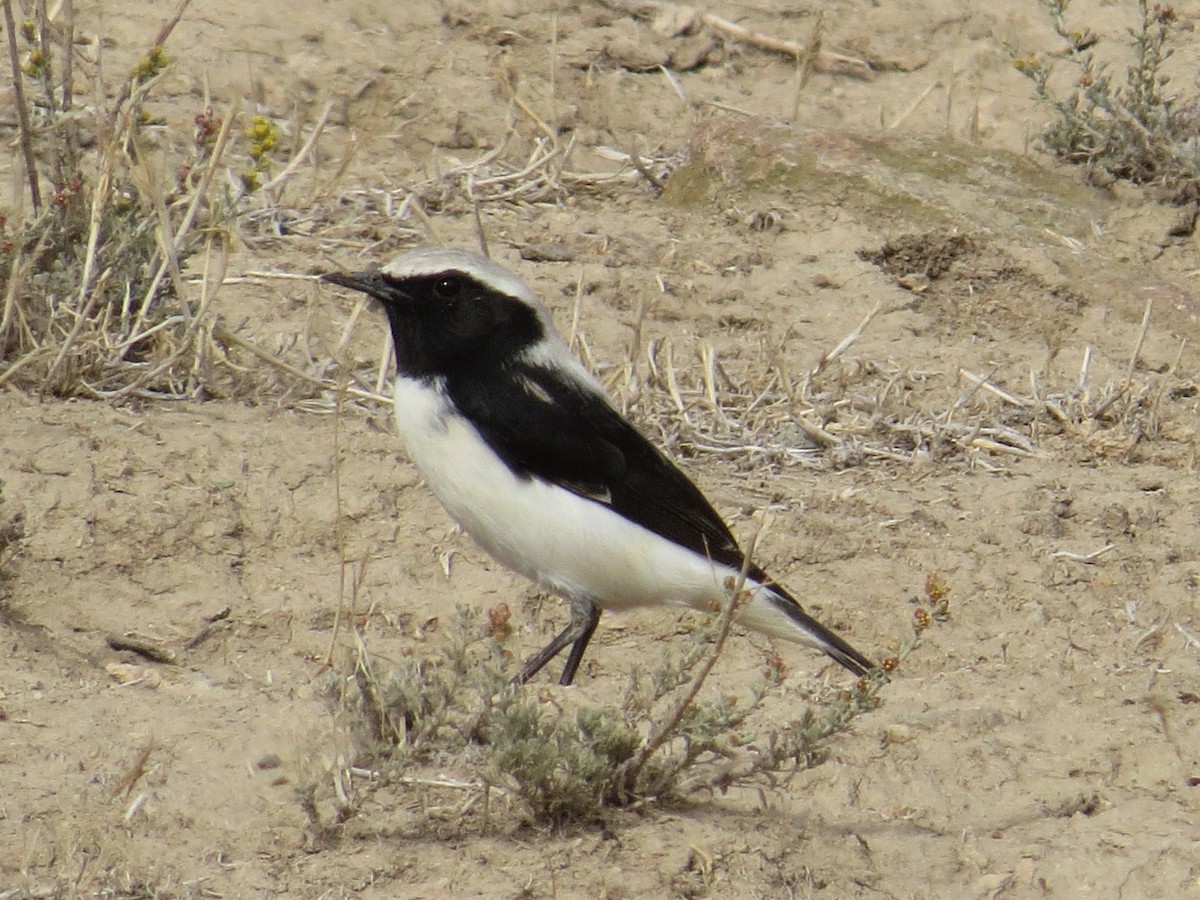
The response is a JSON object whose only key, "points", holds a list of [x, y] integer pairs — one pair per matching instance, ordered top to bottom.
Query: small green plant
{"points": [[1134, 128], [12, 529], [666, 740]]}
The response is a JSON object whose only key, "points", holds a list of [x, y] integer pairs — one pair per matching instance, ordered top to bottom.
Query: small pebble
{"points": [[635, 55], [547, 253], [917, 282], [897, 734], [269, 761]]}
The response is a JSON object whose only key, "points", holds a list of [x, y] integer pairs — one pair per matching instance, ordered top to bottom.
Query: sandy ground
{"points": [[1043, 742]]}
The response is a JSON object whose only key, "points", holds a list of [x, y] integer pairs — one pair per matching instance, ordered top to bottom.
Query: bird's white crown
{"points": [[436, 260]]}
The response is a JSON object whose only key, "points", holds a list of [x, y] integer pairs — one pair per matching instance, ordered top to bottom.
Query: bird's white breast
{"points": [[566, 543]]}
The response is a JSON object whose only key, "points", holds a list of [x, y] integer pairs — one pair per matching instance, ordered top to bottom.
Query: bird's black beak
{"points": [[369, 281]]}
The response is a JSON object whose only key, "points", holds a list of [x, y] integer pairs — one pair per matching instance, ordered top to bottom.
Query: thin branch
{"points": [[159, 39], [35, 194], [668, 728]]}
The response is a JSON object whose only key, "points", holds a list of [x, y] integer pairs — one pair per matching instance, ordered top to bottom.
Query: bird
{"points": [[528, 454]]}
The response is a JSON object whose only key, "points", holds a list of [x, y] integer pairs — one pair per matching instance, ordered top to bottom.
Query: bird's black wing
{"points": [[549, 427]]}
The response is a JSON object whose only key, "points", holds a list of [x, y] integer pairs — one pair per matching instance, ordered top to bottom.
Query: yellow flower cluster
{"points": [[150, 64], [264, 136]]}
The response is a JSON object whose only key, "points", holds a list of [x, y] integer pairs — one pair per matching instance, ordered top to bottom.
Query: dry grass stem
{"points": [[806, 62], [911, 108], [25, 131], [302, 154], [95, 299], [845, 344], [982, 383], [1123, 389], [1083, 557], [1192, 639]]}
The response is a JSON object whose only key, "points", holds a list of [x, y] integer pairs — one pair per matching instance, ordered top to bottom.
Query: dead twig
{"points": [[26, 131], [302, 154], [845, 344], [1133, 358], [983, 383], [1083, 557], [213, 622], [147, 648], [670, 723], [136, 771]]}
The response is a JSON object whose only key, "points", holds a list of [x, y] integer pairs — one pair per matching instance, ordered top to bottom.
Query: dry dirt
{"points": [[1042, 742]]}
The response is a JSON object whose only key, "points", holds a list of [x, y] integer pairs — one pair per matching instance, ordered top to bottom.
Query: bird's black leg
{"points": [[585, 616], [581, 642]]}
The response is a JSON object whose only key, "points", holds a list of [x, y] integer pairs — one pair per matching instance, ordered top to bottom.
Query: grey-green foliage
{"points": [[1135, 127], [12, 529], [459, 711]]}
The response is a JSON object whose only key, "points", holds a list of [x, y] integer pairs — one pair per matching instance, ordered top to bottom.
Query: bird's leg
{"points": [[585, 616], [590, 618]]}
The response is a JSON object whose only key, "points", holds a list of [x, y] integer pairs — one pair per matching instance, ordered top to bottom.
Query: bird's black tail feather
{"points": [[834, 646]]}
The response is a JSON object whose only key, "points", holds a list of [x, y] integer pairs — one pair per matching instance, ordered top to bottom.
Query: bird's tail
{"points": [[774, 611]]}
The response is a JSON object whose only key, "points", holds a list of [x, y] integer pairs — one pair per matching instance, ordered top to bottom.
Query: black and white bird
{"points": [[529, 456]]}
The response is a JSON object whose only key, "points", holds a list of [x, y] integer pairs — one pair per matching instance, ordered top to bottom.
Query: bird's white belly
{"points": [[566, 543]]}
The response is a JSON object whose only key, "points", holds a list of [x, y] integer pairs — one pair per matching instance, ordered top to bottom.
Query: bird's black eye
{"points": [[447, 288]]}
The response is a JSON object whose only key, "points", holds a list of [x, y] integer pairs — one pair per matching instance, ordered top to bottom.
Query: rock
{"points": [[693, 52], [634, 54], [547, 253]]}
